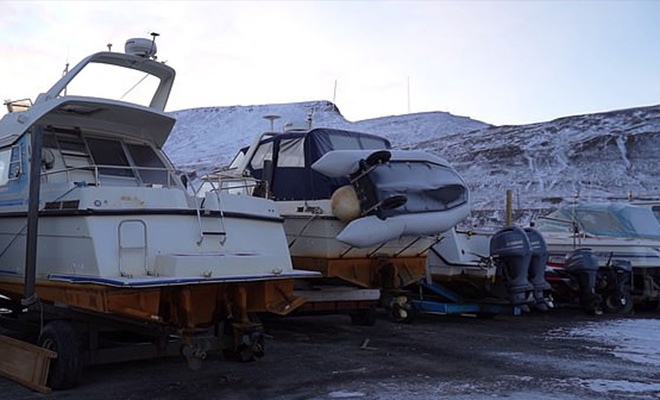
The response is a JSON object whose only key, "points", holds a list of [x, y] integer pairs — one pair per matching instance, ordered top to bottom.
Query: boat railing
{"points": [[171, 180], [231, 182]]}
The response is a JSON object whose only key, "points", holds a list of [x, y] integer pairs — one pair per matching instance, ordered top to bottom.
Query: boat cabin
{"points": [[284, 160], [603, 219]]}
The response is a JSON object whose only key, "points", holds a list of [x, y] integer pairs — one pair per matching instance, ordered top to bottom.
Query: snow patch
{"points": [[635, 340], [626, 386], [343, 394]]}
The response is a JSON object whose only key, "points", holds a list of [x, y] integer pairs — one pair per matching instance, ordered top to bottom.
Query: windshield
{"points": [[113, 82], [614, 221]]}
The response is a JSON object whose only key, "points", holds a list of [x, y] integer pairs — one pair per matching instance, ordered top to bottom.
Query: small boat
{"points": [[354, 209], [613, 231], [120, 232]]}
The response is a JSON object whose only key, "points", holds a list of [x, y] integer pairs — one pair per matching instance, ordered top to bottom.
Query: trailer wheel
{"points": [[618, 304], [402, 313], [365, 317], [61, 337], [247, 343]]}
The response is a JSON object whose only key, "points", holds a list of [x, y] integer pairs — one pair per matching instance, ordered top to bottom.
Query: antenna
{"points": [[154, 35], [66, 68], [334, 95], [271, 118]]}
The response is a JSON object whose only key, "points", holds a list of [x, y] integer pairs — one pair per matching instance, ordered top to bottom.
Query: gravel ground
{"points": [[435, 357]]}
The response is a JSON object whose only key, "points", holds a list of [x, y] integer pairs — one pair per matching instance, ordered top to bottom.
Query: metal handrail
{"points": [[171, 173]]}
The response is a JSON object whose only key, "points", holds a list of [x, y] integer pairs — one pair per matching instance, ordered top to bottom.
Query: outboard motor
{"points": [[511, 251], [582, 266], [536, 273], [613, 284]]}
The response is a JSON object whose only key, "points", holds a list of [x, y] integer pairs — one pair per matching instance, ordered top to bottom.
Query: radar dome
{"points": [[140, 47]]}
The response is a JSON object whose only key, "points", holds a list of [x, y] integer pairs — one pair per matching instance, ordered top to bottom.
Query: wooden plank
{"points": [[25, 363]]}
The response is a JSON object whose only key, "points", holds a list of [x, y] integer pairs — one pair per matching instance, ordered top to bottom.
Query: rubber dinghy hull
{"points": [[371, 230]]}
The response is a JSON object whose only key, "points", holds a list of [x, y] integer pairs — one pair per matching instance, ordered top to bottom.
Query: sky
{"points": [[495, 61]]}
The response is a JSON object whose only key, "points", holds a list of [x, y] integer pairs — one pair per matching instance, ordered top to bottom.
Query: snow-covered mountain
{"points": [[209, 137], [595, 156]]}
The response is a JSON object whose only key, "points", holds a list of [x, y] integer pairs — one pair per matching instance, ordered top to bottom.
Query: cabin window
{"points": [[354, 142], [371, 143], [263, 153], [291, 153], [144, 156], [110, 157], [5, 160], [237, 160], [15, 163], [656, 212], [599, 222]]}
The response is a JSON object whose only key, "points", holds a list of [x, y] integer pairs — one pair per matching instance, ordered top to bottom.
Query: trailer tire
{"points": [[614, 305], [65, 370]]}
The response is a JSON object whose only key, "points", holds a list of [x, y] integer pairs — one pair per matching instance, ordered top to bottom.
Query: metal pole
{"points": [[509, 207], [33, 216]]}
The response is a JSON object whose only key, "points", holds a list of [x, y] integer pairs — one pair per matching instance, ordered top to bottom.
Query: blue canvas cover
{"points": [[293, 154]]}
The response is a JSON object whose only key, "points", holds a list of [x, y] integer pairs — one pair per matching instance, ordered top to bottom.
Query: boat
{"points": [[359, 212], [613, 231], [122, 235]]}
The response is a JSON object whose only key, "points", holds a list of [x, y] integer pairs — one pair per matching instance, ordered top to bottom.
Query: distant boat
{"points": [[612, 231]]}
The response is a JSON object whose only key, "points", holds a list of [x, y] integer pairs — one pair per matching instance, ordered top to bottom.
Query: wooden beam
{"points": [[25, 363]]}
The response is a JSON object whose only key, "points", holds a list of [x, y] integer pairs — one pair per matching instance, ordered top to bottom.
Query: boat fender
{"points": [[345, 204]]}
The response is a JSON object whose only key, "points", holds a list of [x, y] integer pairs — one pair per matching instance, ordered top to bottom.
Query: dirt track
{"points": [[324, 357]]}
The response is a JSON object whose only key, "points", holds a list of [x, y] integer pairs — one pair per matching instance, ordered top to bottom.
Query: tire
{"points": [[615, 305], [402, 314], [61, 337], [252, 346]]}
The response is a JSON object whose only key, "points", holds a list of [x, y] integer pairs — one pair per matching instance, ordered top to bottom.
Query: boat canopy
{"points": [[285, 160], [604, 219]]}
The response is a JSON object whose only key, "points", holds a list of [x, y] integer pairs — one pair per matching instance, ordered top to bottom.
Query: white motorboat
{"points": [[354, 209], [612, 231], [119, 232]]}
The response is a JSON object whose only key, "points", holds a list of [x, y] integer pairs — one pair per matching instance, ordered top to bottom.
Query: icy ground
{"points": [[636, 340], [563, 354]]}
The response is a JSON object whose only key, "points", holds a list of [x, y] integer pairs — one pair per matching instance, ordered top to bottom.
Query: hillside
{"points": [[209, 137], [594, 156]]}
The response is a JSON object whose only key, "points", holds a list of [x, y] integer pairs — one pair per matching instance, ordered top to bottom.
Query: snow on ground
{"points": [[636, 340]]}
